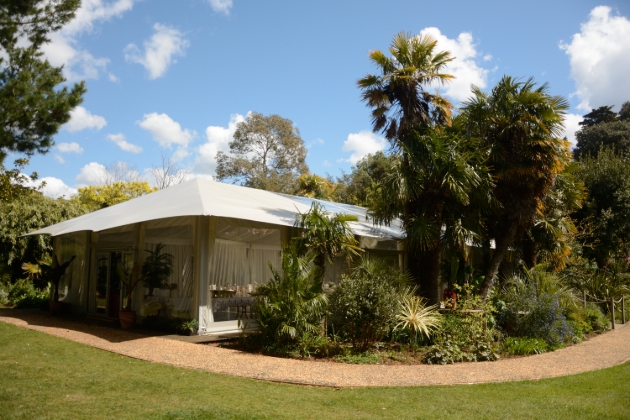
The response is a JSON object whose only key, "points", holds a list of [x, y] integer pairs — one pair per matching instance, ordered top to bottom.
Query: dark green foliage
{"points": [[32, 106], [603, 114], [520, 123], [614, 134], [355, 187], [31, 212], [605, 214], [156, 268], [23, 294], [365, 304], [290, 306], [463, 337], [524, 345], [446, 352]]}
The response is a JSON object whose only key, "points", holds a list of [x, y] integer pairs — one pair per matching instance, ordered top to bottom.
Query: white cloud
{"points": [[221, 6], [64, 47], [159, 51], [487, 57], [600, 59], [463, 67], [81, 118], [571, 125], [166, 131], [218, 140], [121, 142], [363, 144], [70, 148], [59, 159], [326, 163], [91, 174], [54, 188]]}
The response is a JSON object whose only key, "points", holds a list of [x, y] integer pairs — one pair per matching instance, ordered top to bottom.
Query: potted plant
{"points": [[157, 269], [53, 272], [127, 274], [188, 327]]}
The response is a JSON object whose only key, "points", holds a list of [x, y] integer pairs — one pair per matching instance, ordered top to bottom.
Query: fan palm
{"points": [[398, 97], [521, 124], [437, 177], [325, 236]]}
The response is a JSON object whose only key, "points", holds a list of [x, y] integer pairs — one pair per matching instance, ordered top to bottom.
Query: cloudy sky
{"points": [[177, 77]]}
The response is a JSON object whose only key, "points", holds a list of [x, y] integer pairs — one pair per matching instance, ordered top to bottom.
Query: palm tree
{"points": [[398, 97], [521, 125], [434, 188], [325, 236]]}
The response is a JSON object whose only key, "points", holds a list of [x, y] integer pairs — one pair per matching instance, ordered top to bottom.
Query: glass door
{"points": [[111, 290]]}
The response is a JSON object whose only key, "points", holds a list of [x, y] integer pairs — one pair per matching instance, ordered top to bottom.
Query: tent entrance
{"points": [[110, 291]]}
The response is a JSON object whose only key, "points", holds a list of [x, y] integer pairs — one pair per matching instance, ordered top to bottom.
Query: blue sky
{"points": [[175, 77]]}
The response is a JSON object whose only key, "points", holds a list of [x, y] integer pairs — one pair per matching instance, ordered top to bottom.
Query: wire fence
{"points": [[611, 302]]}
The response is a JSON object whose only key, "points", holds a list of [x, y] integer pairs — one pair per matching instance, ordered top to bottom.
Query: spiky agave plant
{"points": [[417, 317]]}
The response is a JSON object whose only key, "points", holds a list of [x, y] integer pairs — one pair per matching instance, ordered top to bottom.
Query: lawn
{"points": [[42, 376]]}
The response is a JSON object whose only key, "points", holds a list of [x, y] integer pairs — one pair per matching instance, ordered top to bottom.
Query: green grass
{"points": [[42, 376]]}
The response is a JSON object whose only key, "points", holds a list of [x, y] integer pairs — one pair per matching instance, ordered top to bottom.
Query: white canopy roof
{"points": [[200, 197]]}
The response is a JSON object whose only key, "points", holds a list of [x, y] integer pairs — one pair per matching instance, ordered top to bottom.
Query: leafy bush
{"points": [[23, 294], [365, 304], [290, 306], [530, 312], [596, 318], [465, 334], [525, 346], [445, 352], [365, 358]]}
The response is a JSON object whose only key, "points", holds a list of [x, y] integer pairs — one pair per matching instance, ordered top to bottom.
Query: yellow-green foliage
{"points": [[98, 197]]}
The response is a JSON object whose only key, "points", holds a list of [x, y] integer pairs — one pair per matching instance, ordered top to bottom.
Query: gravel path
{"points": [[609, 349]]}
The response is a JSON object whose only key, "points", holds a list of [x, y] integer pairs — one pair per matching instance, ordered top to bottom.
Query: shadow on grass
{"points": [[103, 329]]}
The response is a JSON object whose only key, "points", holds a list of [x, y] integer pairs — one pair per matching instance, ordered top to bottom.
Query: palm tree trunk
{"points": [[501, 246], [530, 256]]}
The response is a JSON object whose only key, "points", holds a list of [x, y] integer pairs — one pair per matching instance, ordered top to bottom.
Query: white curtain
{"points": [[259, 258], [72, 287], [176, 300]]}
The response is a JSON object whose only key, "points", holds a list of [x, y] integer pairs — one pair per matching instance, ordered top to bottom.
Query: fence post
{"points": [[584, 298], [623, 309], [612, 312]]}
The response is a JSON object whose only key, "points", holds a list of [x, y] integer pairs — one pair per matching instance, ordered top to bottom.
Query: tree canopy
{"points": [[399, 97], [32, 106], [520, 124], [603, 127], [267, 153], [354, 188], [99, 197], [30, 212], [605, 215]]}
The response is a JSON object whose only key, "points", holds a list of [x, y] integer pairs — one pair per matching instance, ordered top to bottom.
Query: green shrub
{"points": [[23, 294], [365, 304], [290, 306], [528, 313], [596, 318], [465, 334], [524, 345], [445, 352], [365, 358]]}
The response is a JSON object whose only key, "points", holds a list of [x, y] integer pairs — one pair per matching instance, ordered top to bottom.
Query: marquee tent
{"points": [[222, 238]]}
